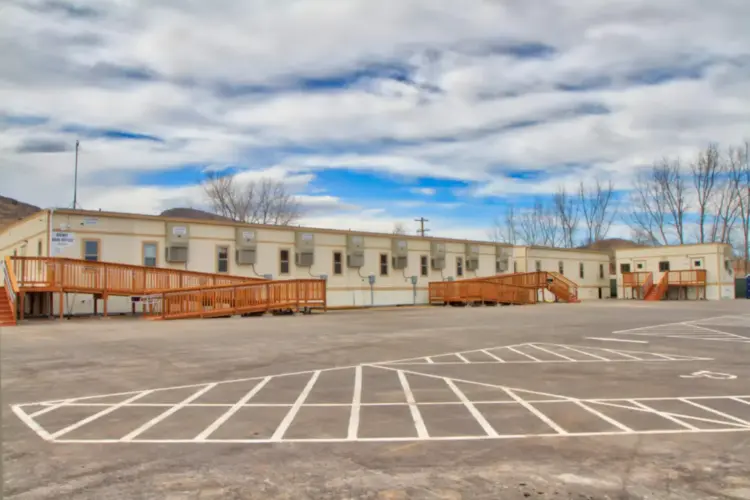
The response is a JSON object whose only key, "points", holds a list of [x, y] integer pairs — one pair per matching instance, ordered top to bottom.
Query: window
{"points": [[39, 248], [91, 250], [15, 252], [149, 254], [222, 259], [283, 261], [698, 263], [384, 264], [423, 265], [538, 265], [639, 265], [459, 266], [515, 266], [663, 266], [337, 267], [561, 267], [612, 268], [624, 268], [580, 269], [601, 271]]}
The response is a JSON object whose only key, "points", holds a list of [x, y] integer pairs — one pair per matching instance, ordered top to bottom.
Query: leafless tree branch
{"points": [[266, 201], [597, 207], [568, 213]]}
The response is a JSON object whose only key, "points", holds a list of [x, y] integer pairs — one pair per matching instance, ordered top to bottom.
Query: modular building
{"points": [[361, 268], [690, 272]]}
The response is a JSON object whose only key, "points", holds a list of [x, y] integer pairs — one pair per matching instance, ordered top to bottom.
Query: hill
{"points": [[12, 210]]}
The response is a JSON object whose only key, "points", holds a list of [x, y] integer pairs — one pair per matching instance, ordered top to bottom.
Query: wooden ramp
{"points": [[515, 288], [162, 293]]}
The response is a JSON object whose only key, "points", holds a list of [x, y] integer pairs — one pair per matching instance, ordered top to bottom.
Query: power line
{"points": [[421, 231]]}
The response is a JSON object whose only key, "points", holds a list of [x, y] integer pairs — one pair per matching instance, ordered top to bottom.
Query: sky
{"points": [[371, 112]]}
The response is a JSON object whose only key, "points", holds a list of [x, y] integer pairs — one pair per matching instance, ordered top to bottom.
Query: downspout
{"points": [[49, 232]]}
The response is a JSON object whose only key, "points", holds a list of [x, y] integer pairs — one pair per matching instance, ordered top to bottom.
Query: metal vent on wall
{"points": [[177, 254], [245, 256], [304, 259], [355, 259], [400, 262], [437, 263], [472, 264]]}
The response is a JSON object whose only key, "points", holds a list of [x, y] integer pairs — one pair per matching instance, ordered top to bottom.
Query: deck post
{"points": [[104, 299], [21, 304], [62, 305], [96, 305]]}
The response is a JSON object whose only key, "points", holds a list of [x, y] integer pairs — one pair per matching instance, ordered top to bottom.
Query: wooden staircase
{"points": [[657, 291], [7, 294]]}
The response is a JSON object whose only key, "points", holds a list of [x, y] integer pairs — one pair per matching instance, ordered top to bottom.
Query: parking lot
{"points": [[593, 400]]}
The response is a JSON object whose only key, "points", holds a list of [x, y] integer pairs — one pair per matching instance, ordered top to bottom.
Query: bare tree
{"points": [[706, 170], [739, 173], [669, 176], [266, 201], [659, 202], [725, 202], [597, 206], [568, 213], [529, 225], [539, 225], [399, 228], [506, 230]]}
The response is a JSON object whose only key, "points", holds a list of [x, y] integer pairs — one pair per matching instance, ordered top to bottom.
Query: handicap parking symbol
{"points": [[712, 375]]}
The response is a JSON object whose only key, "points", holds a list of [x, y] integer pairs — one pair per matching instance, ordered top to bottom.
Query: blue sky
{"points": [[371, 112]]}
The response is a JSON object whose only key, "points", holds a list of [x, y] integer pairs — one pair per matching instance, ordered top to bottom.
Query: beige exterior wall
{"points": [[27, 237], [712, 257], [595, 279]]}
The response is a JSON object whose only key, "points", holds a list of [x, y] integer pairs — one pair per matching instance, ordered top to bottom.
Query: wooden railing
{"points": [[74, 275], [692, 277], [635, 279], [9, 283], [647, 285], [562, 287], [475, 291], [657, 292], [244, 298]]}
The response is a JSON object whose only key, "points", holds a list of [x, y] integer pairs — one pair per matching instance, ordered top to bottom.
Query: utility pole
{"points": [[75, 180], [421, 231]]}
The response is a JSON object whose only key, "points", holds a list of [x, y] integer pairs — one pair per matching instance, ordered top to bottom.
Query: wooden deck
{"points": [[643, 286], [515, 288], [165, 293]]}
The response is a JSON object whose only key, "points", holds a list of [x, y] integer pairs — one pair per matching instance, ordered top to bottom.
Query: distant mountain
{"points": [[12, 210], [194, 213]]}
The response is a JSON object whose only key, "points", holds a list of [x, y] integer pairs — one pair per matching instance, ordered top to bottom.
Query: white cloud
{"points": [[467, 109], [425, 191]]}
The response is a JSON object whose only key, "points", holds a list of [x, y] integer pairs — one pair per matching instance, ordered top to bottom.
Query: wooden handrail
{"points": [[76, 275], [687, 277], [635, 279], [10, 284], [647, 285], [660, 289], [473, 290], [229, 300]]}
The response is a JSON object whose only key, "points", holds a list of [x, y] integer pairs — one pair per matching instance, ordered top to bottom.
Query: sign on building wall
{"points": [[61, 240]]}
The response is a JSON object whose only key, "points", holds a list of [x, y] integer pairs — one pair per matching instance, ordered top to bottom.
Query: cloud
{"points": [[406, 90]]}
